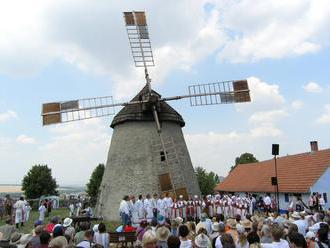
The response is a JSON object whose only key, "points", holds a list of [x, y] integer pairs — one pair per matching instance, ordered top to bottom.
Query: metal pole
{"points": [[277, 193]]}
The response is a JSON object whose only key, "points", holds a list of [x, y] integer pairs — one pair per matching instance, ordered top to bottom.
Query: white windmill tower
{"points": [[148, 153]]}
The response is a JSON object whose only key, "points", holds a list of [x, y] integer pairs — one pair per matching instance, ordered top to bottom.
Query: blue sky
{"points": [[56, 50]]}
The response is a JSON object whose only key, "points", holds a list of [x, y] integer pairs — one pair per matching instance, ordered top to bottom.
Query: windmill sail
{"points": [[216, 93]]}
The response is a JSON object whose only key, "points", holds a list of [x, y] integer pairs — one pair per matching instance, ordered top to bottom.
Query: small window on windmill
{"points": [[162, 156]]}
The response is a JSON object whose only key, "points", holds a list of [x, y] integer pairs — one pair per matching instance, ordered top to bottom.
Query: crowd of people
{"points": [[221, 221]]}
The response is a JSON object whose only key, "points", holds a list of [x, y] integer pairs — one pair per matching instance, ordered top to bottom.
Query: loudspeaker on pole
{"points": [[275, 149]]}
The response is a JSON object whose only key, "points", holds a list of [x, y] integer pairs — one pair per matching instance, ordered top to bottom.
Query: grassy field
{"points": [[61, 212]]}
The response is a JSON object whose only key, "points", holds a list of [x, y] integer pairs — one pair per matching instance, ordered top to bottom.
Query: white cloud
{"points": [[273, 29], [92, 37], [312, 87], [297, 104], [7, 116], [268, 116], [325, 117], [265, 131], [24, 139], [76, 147]]}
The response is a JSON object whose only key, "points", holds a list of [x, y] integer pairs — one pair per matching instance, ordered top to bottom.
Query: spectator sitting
{"points": [[162, 234], [183, 234], [102, 237], [44, 239], [88, 240], [149, 240], [297, 240], [35, 241], [227, 241], [173, 242], [278, 242]]}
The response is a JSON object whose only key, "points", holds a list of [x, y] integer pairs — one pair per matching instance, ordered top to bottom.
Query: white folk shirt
{"points": [[168, 201], [267, 201], [147, 204], [139, 206], [161, 206], [123, 207]]}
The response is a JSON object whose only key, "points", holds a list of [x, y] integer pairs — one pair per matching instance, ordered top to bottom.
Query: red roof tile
{"points": [[296, 173]]}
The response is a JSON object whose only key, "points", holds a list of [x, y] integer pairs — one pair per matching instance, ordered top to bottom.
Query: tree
{"points": [[245, 158], [206, 180], [39, 181], [93, 186]]}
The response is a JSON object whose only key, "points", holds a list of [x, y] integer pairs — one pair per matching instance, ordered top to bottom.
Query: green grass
{"points": [[62, 213]]}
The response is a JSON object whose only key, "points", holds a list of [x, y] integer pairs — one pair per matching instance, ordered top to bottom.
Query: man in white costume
{"points": [[154, 200], [169, 202], [147, 204], [161, 206], [198, 207], [19, 208], [140, 208], [27, 209], [42, 211], [124, 211], [134, 212]]}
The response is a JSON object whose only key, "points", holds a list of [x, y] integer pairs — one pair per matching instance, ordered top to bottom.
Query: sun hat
{"points": [[295, 215], [179, 220], [67, 222], [231, 223], [246, 223], [199, 226], [215, 227], [96, 228], [240, 229], [162, 233], [310, 235], [15, 237], [24, 240], [59, 241], [201, 241]]}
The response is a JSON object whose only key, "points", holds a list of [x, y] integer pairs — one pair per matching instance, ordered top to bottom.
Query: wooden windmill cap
{"points": [[138, 112]]}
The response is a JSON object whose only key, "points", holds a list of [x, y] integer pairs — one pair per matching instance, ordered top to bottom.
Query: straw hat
{"points": [[295, 215], [178, 220], [67, 222], [231, 223], [246, 223], [199, 226], [215, 227], [240, 229], [162, 233], [310, 235], [14, 238], [24, 240], [59, 241], [202, 241]]}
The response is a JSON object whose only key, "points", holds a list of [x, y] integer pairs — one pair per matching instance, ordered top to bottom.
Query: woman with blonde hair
{"points": [[192, 230], [149, 240]]}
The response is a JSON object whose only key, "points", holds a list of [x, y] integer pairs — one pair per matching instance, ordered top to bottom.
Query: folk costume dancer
{"points": [[168, 201], [147, 205], [161, 206], [140, 208], [182, 208], [198, 208], [19, 209]]}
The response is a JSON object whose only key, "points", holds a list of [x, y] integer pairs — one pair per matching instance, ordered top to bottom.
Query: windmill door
{"points": [[165, 182]]}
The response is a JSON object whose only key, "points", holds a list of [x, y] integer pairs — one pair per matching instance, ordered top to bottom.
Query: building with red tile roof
{"points": [[300, 173]]}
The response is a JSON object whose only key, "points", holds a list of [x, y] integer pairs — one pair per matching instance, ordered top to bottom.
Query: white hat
{"points": [[180, 196], [196, 196], [295, 215], [179, 220], [67, 222], [215, 227], [96, 228], [240, 229], [310, 235], [24, 240], [202, 241]]}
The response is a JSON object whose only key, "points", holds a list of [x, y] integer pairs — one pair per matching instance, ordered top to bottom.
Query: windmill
{"points": [[148, 153]]}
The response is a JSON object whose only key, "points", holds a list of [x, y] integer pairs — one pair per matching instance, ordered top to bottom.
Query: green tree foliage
{"points": [[245, 158], [207, 180], [38, 182], [93, 186]]}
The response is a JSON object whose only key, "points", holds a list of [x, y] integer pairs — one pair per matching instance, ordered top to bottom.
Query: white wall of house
{"points": [[322, 186], [285, 198]]}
